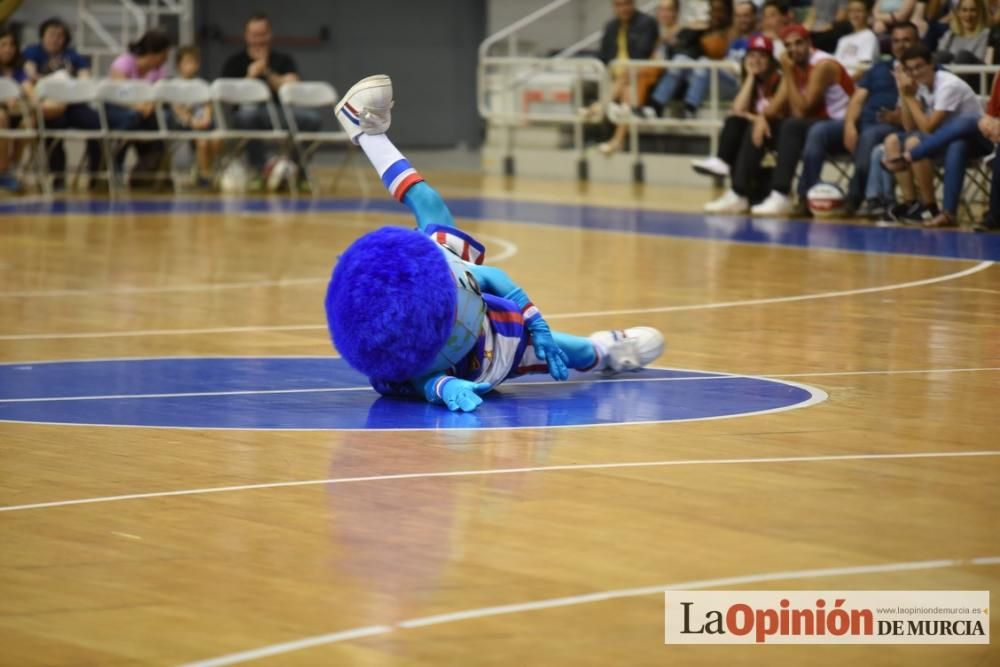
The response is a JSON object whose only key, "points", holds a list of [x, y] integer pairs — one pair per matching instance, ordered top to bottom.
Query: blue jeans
{"points": [[701, 80], [698, 82], [256, 118], [826, 138], [957, 139], [880, 183]]}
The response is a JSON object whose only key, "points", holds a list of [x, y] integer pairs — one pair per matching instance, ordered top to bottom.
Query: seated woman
{"points": [[967, 39], [53, 55], [144, 60], [11, 66], [747, 132]]}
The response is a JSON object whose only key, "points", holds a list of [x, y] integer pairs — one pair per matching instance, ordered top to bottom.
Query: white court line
{"points": [[507, 250], [780, 299], [663, 309], [716, 375], [503, 471], [602, 596]]}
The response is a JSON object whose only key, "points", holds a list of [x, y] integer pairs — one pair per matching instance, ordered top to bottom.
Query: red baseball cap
{"points": [[795, 29], [760, 42]]}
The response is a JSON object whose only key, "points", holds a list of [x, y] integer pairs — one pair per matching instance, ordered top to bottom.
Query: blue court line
{"points": [[742, 229]]}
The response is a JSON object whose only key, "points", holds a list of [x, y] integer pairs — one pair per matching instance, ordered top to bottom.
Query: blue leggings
{"points": [[430, 209]]}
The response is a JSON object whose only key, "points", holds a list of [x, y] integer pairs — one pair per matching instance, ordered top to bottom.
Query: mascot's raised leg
{"points": [[365, 113]]}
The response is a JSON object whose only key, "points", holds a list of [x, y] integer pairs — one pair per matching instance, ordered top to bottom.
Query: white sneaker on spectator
{"points": [[366, 107], [711, 166], [728, 203], [775, 204], [627, 349]]}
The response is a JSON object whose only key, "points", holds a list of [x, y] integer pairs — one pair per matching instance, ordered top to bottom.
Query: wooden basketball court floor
{"points": [[543, 529]]}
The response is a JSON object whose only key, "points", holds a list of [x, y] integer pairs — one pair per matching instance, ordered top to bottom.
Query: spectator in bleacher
{"points": [[887, 12], [696, 14], [775, 15], [668, 16], [827, 22], [967, 39], [714, 44], [859, 49], [54, 55], [145, 60], [258, 61], [11, 67], [816, 87], [940, 114], [872, 115], [199, 118], [989, 126], [746, 133]]}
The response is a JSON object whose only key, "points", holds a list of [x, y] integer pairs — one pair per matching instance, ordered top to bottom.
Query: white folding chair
{"points": [[65, 90], [10, 91], [181, 92], [128, 93], [228, 93], [313, 95]]}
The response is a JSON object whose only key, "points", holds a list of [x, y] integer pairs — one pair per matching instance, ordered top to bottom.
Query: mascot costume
{"points": [[419, 313]]}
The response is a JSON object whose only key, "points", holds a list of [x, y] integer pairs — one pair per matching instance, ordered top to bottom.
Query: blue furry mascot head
{"points": [[395, 306]]}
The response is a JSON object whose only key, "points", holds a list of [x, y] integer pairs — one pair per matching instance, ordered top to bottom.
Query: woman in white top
{"points": [[860, 49]]}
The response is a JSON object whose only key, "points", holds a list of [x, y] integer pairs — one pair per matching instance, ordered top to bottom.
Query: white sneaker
{"points": [[366, 107], [711, 166], [728, 203], [775, 204], [628, 349]]}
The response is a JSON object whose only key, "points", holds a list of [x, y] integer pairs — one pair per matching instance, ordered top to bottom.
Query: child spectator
{"points": [[858, 50], [198, 118]]}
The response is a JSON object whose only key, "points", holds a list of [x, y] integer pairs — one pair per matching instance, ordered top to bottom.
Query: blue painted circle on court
{"points": [[325, 393]]}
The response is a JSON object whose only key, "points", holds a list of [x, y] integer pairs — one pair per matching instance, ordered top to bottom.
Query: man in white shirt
{"points": [[858, 50], [940, 112]]}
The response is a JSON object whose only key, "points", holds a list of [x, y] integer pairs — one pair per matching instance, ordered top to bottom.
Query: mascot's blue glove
{"points": [[541, 336], [458, 394]]}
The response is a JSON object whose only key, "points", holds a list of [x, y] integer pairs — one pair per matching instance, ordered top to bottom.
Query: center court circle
{"points": [[324, 393]]}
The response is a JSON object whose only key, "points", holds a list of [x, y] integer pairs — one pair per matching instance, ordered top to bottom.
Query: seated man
{"points": [[258, 61], [815, 87], [940, 112], [867, 122]]}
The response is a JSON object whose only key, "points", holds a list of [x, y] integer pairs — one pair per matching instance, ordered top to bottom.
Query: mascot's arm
{"points": [[495, 281], [458, 394]]}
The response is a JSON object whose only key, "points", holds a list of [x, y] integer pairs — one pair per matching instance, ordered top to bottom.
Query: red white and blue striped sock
{"points": [[395, 171]]}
